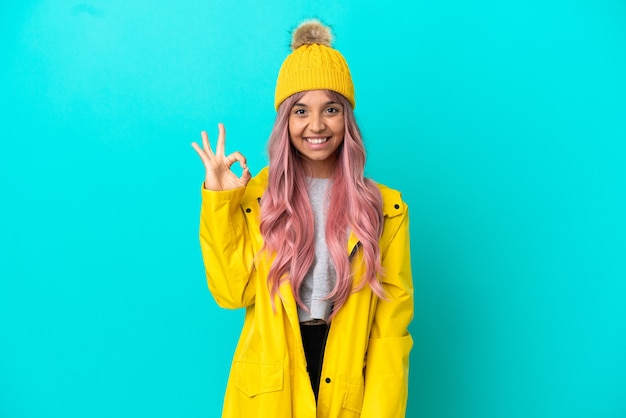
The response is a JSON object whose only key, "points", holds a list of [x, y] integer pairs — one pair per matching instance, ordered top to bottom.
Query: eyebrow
{"points": [[325, 104]]}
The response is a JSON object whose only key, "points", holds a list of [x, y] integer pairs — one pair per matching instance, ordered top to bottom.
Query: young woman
{"points": [[317, 254]]}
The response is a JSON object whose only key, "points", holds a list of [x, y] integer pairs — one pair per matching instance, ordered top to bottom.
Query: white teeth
{"points": [[316, 140]]}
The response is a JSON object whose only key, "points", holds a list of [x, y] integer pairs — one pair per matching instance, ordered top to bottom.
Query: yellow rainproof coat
{"points": [[366, 362]]}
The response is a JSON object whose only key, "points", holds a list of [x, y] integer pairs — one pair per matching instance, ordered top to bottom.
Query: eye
{"points": [[333, 110], [299, 112]]}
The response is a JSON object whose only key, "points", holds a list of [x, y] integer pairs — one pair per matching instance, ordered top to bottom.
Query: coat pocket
{"points": [[255, 378], [353, 401]]}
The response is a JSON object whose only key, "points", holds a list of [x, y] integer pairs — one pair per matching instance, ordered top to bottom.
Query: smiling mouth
{"points": [[316, 141]]}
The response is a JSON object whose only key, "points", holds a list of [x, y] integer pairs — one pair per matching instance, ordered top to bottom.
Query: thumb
{"points": [[245, 175]]}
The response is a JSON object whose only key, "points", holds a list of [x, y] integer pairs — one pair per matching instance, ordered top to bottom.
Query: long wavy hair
{"points": [[355, 205]]}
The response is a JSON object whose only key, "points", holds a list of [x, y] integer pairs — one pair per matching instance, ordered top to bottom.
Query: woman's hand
{"points": [[217, 165]]}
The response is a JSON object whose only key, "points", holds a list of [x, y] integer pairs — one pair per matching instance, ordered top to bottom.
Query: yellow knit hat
{"points": [[313, 65]]}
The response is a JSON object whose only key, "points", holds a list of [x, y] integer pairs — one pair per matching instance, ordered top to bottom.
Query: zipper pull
{"points": [[354, 250]]}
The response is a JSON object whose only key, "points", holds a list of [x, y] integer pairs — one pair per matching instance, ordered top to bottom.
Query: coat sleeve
{"points": [[226, 248], [387, 361]]}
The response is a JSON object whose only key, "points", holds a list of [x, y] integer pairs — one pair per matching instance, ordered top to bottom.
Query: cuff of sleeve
{"points": [[221, 195]]}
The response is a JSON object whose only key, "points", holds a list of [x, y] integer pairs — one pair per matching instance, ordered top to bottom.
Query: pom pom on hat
{"points": [[311, 32], [313, 65]]}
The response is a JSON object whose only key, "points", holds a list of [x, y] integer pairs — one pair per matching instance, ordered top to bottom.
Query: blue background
{"points": [[503, 123]]}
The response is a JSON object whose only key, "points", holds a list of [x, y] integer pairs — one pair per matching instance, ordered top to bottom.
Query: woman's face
{"points": [[316, 129]]}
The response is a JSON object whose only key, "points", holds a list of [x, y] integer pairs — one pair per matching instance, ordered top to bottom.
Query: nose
{"points": [[317, 123]]}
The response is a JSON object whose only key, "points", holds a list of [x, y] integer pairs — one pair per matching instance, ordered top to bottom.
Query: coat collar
{"points": [[392, 200]]}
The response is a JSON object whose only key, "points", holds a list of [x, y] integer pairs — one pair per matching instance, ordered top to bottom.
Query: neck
{"points": [[319, 169]]}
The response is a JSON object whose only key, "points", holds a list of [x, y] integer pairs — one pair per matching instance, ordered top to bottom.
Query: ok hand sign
{"points": [[217, 165]]}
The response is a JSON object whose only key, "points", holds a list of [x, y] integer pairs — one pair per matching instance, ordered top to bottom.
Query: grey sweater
{"points": [[320, 279]]}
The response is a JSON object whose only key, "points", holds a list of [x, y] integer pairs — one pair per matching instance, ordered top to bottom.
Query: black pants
{"points": [[314, 342]]}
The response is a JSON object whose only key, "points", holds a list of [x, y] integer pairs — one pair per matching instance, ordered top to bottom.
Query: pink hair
{"points": [[355, 205]]}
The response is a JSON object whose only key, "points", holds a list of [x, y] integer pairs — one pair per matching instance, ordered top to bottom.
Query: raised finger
{"points": [[221, 139], [206, 145], [201, 153]]}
